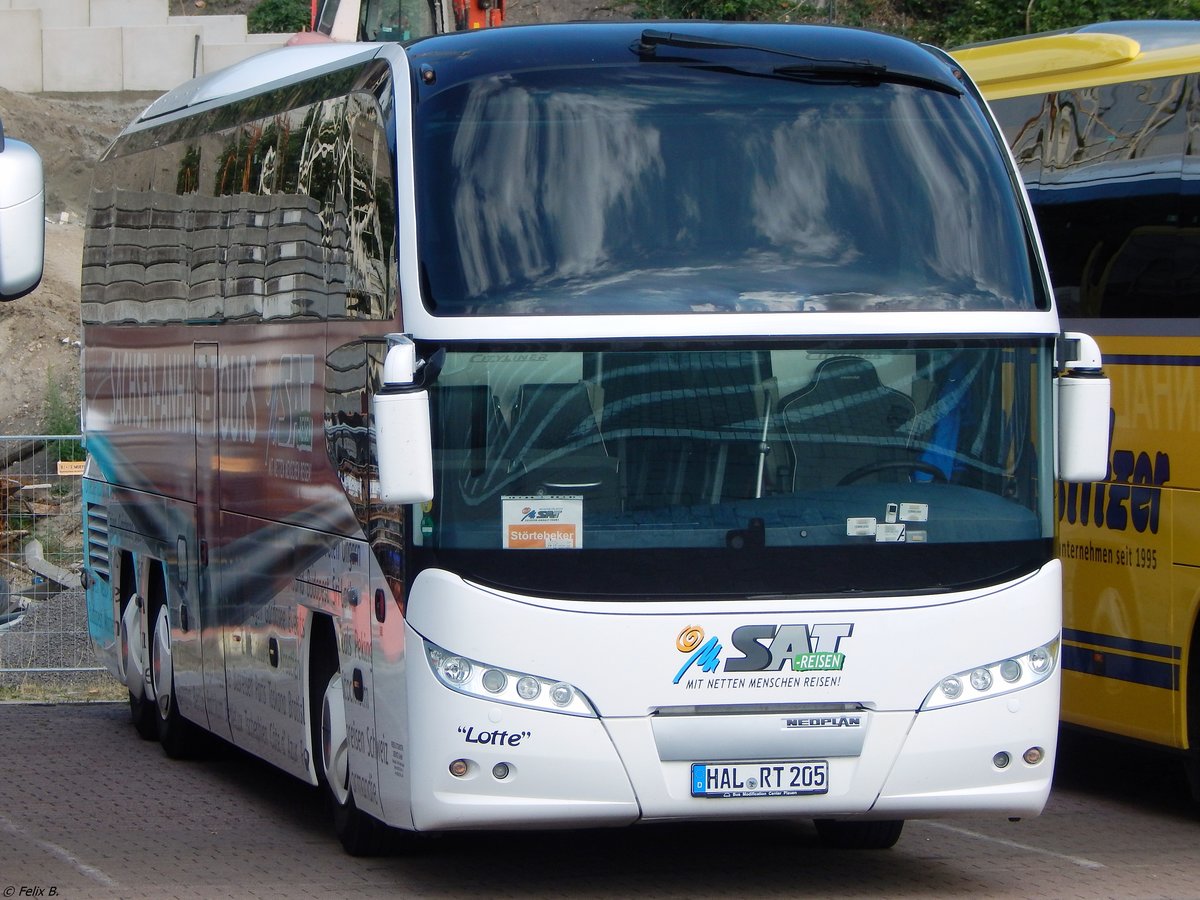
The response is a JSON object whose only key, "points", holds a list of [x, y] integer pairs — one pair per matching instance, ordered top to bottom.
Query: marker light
{"points": [[1042, 658], [477, 679], [981, 679], [993, 679], [528, 687], [952, 688], [562, 694], [1034, 755]]}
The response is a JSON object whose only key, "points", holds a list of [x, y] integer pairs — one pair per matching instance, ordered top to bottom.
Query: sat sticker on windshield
{"points": [[543, 522]]}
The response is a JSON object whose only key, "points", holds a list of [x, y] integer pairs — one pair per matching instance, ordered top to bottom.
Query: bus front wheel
{"points": [[361, 834], [851, 834]]}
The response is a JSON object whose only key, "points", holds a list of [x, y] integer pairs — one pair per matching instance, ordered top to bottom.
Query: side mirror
{"points": [[22, 218], [1082, 395], [403, 442]]}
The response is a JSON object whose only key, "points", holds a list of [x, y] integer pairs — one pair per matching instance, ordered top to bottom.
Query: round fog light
{"points": [[1010, 670], [494, 681], [1034, 755], [1001, 760], [459, 768], [500, 771]]}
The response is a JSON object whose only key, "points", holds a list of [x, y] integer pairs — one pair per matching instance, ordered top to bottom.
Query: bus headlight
{"points": [[479, 679], [994, 679]]}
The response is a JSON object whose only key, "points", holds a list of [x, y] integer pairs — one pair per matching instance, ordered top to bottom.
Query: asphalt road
{"points": [[88, 810]]}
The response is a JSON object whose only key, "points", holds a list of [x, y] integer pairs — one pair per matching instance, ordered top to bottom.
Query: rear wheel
{"points": [[141, 706], [141, 713], [178, 736], [1192, 760], [361, 834], [850, 834]]}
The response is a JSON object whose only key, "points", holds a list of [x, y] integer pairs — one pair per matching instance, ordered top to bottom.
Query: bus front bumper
{"points": [[534, 769]]}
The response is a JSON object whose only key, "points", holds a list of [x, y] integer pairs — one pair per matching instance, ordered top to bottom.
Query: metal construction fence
{"points": [[43, 619]]}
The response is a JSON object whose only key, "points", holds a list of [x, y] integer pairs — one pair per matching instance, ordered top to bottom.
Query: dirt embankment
{"points": [[39, 334]]}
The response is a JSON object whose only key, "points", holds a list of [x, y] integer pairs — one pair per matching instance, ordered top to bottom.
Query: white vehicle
{"points": [[22, 218], [585, 425]]}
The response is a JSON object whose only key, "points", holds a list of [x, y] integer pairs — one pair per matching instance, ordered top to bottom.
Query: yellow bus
{"points": [[1104, 122]]}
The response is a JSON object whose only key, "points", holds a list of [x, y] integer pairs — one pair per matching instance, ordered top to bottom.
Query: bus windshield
{"points": [[667, 189], [823, 468]]}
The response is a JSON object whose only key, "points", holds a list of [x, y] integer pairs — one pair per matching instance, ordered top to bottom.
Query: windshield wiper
{"points": [[651, 40], [863, 71]]}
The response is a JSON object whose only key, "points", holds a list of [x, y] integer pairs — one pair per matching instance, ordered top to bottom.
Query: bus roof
{"points": [[1103, 53], [277, 66]]}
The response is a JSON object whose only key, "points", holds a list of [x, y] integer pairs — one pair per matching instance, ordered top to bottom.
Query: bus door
{"points": [[216, 701]]}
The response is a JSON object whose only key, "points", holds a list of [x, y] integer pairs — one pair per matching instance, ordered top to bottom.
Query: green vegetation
{"points": [[279, 16], [947, 23], [61, 416], [86, 687]]}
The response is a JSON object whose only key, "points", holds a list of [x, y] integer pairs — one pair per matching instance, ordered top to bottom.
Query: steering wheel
{"points": [[886, 465]]}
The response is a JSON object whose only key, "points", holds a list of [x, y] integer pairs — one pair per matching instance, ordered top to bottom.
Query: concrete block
{"points": [[59, 13], [136, 13], [217, 29], [274, 39], [220, 56], [160, 58], [82, 59], [21, 61]]}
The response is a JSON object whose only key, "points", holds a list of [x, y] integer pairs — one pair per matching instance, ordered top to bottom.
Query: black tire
{"points": [[144, 716], [180, 739], [1191, 762], [361, 834], [852, 834]]}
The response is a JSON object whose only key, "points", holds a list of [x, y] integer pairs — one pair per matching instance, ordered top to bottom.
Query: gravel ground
{"points": [[53, 635]]}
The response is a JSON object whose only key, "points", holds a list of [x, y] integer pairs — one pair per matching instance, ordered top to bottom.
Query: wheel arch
{"points": [[320, 655], [1189, 706]]}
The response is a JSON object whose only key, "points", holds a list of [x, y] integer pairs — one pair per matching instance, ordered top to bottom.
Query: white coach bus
{"points": [[585, 425]]}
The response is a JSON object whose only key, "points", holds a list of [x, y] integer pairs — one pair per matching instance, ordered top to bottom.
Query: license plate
{"points": [[760, 779]]}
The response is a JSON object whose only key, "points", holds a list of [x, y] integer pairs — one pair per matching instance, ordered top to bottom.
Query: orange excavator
{"points": [[398, 20]]}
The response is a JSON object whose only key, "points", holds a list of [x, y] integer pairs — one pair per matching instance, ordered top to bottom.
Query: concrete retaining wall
{"points": [[116, 45]]}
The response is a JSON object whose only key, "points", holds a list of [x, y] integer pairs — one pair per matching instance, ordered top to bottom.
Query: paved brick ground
{"points": [[87, 810]]}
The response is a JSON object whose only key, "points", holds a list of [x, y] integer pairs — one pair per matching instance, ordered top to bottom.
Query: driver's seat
{"points": [[845, 419]]}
